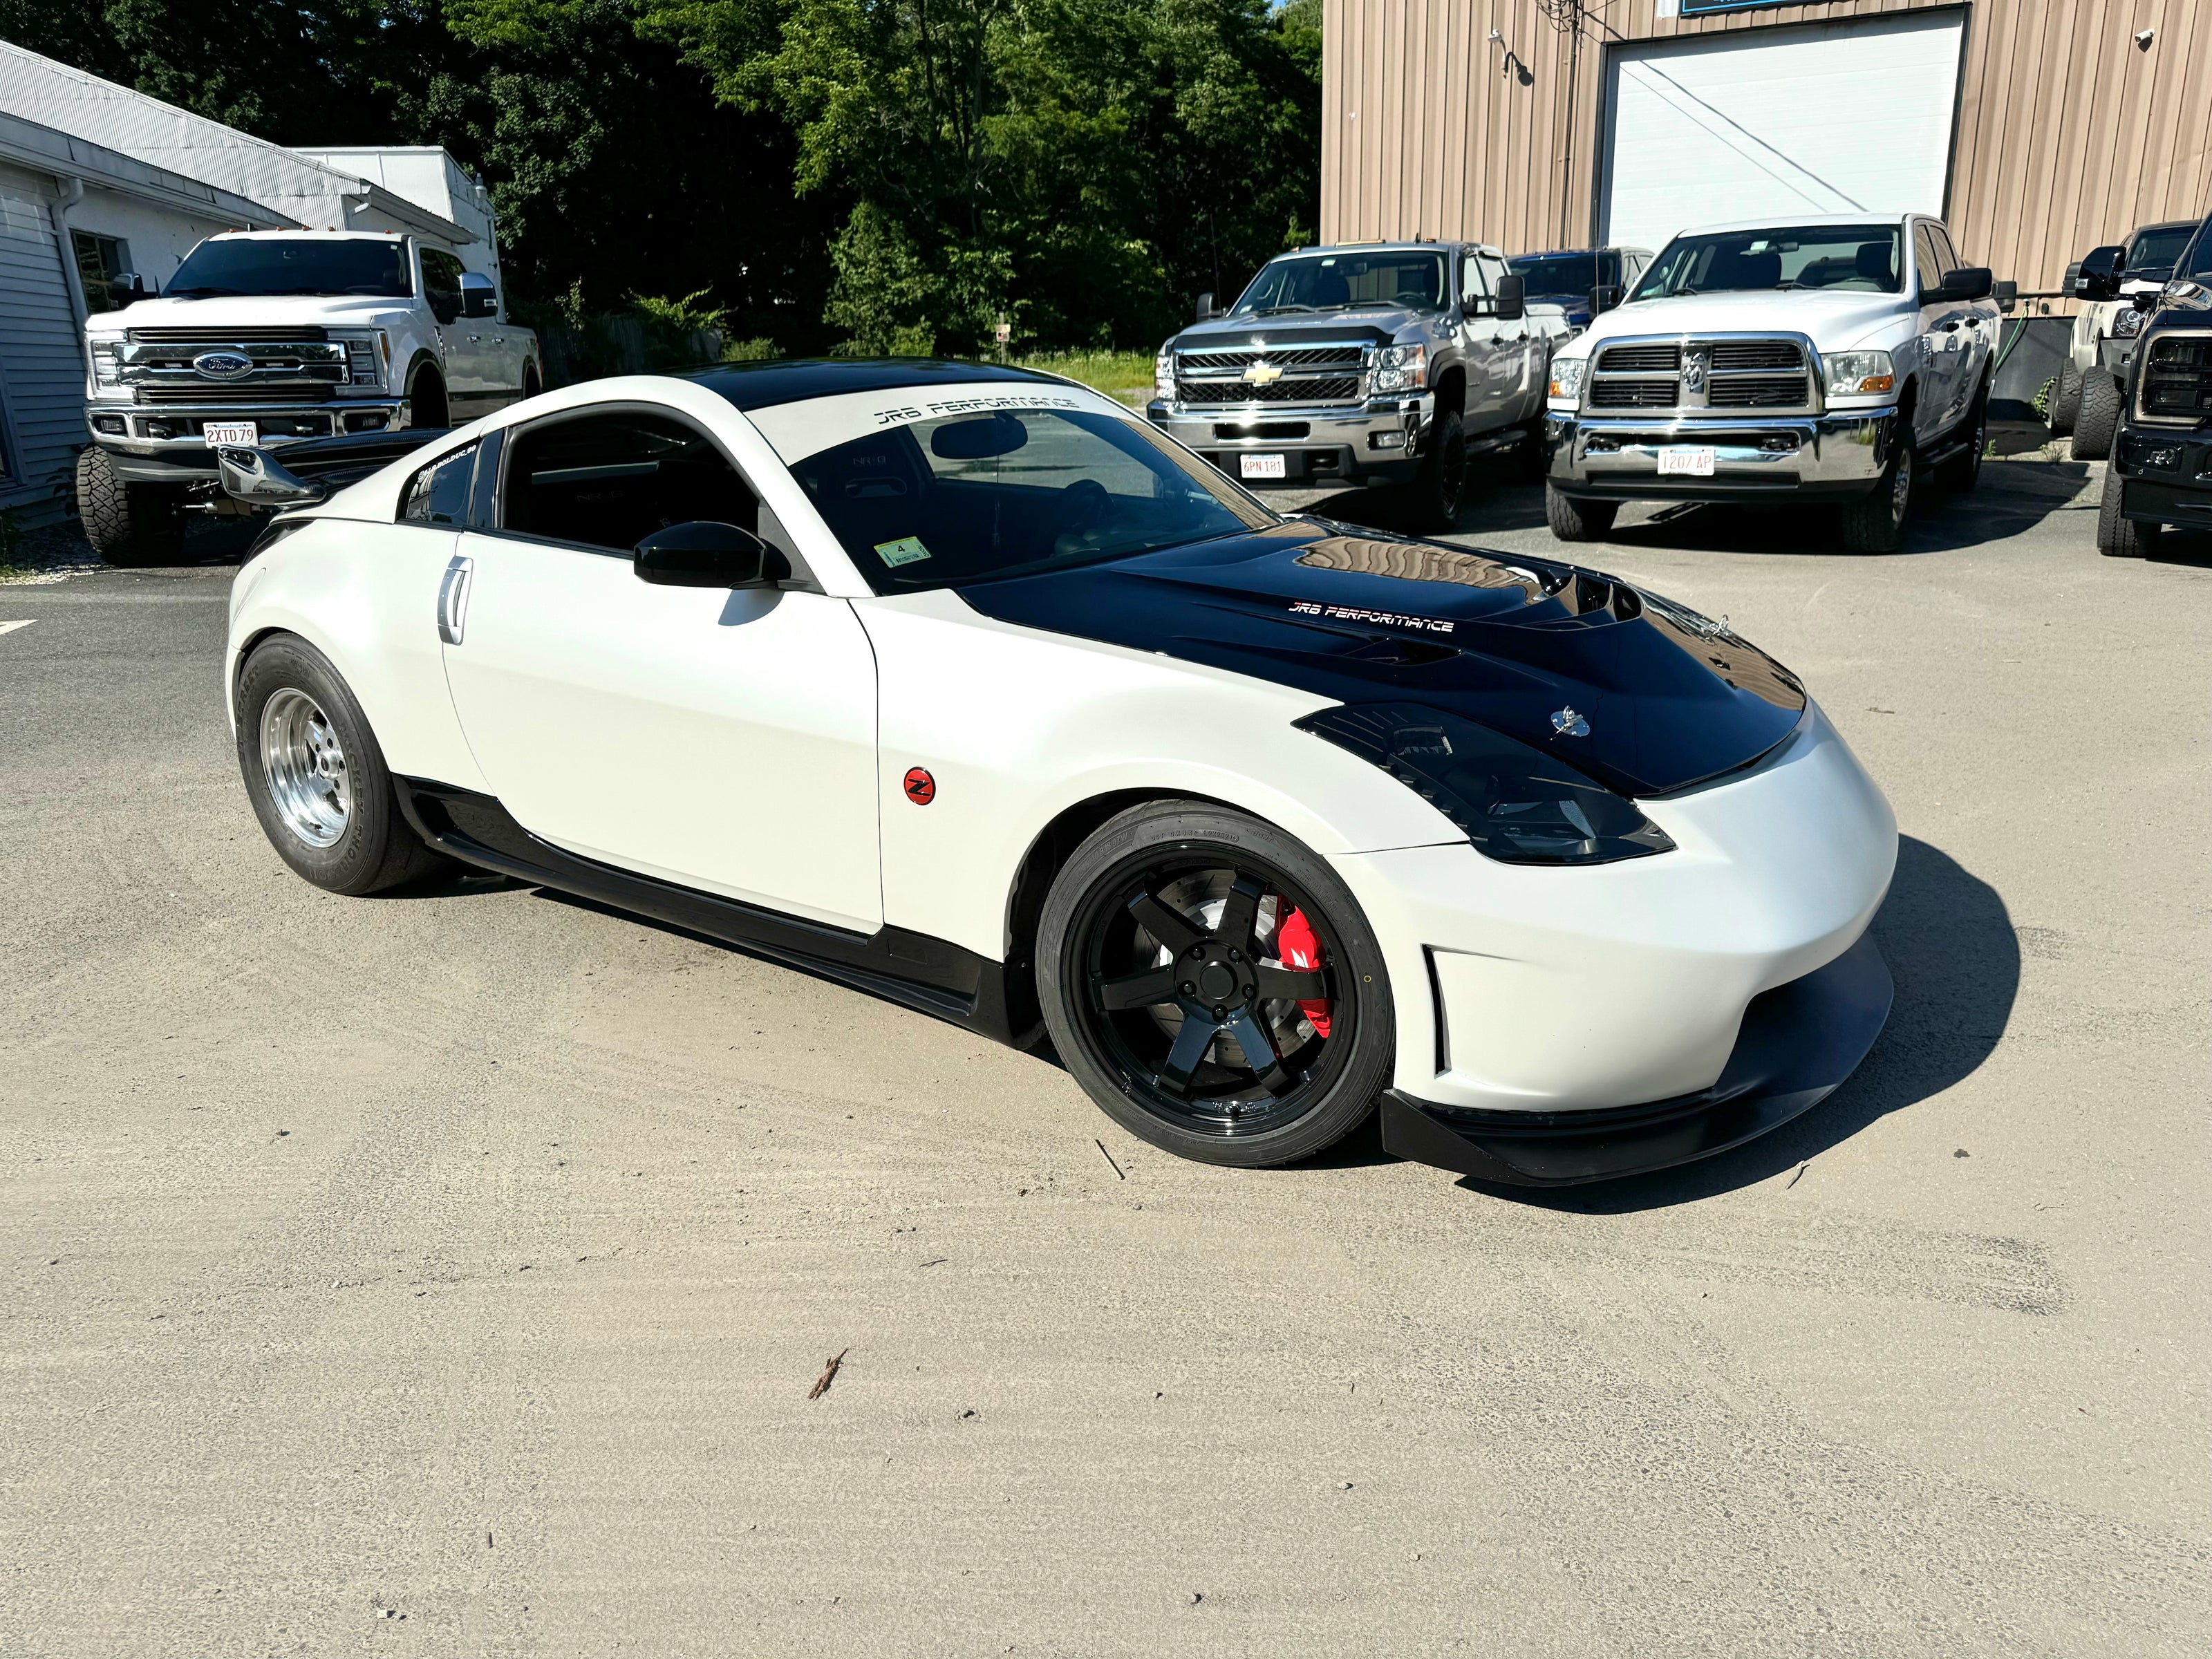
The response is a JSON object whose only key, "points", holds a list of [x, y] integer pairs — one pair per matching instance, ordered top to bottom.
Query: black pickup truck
{"points": [[2160, 472]]}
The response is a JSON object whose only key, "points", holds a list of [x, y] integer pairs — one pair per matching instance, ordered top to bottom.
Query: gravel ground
{"points": [[447, 1273]]}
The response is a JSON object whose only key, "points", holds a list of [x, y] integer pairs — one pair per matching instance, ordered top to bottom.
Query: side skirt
{"points": [[916, 970]]}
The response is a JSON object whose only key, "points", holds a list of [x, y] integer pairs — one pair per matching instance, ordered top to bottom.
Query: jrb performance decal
{"points": [[938, 411], [1387, 618]]}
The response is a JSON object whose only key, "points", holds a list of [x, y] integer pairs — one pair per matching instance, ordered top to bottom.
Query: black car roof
{"points": [[757, 386]]}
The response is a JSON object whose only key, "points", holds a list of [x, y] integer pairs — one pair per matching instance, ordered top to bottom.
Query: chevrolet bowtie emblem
{"points": [[1263, 374]]}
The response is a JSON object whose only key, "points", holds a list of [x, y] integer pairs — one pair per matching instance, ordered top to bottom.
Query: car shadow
{"points": [[1955, 957]]}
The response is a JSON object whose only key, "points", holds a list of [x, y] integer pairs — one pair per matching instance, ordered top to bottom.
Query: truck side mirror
{"points": [[2098, 277], [1966, 282], [131, 288], [2006, 294], [478, 297], [1604, 297], [1512, 298], [1205, 312]]}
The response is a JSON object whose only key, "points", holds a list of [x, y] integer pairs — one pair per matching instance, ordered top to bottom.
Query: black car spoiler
{"points": [[302, 473]]}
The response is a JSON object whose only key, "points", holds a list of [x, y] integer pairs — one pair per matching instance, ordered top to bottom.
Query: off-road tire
{"points": [[531, 385], [2066, 399], [428, 408], [2099, 417], [1533, 463], [1963, 471], [1439, 490], [1573, 519], [1876, 522], [128, 525], [2118, 535], [375, 850], [1338, 1078]]}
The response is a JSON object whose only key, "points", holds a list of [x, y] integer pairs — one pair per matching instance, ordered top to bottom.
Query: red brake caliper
{"points": [[1295, 946]]}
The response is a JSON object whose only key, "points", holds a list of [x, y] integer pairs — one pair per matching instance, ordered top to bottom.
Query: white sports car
{"points": [[965, 687]]}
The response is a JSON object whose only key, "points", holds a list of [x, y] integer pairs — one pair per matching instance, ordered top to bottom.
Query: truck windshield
{"points": [[2152, 252], [1850, 257], [304, 264], [1556, 276], [1335, 282]]}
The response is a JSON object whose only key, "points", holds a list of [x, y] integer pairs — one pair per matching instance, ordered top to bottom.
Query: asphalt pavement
{"points": [[447, 1273]]}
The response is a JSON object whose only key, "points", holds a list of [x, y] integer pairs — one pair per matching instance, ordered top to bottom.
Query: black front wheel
{"points": [[1440, 487], [1213, 984]]}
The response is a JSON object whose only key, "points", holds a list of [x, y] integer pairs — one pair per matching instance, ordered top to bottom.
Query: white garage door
{"points": [[1845, 118]]}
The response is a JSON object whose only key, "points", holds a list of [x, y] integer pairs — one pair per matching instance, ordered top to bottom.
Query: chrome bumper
{"points": [[173, 432], [1320, 443], [1842, 454]]}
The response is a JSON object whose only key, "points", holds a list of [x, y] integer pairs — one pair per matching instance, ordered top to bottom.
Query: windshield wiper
{"points": [[205, 293], [1361, 304], [1269, 311]]}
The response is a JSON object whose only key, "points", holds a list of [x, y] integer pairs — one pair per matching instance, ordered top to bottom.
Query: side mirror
{"points": [[2098, 277], [1966, 282], [131, 288], [2006, 296], [478, 297], [1604, 297], [1512, 298], [1205, 312], [257, 477], [707, 554]]}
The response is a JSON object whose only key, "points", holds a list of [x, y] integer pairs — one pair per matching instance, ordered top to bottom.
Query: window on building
{"points": [[100, 261]]}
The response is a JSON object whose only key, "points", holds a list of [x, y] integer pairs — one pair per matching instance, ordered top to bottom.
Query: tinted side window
{"points": [[1945, 255], [1924, 256], [441, 284], [611, 480], [439, 494]]}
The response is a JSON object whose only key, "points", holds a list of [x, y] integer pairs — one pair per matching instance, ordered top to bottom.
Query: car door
{"points": [[1979, 324], [1942, 346], [1491, 350], [1522, 355], [468, 387], [723, 740]]}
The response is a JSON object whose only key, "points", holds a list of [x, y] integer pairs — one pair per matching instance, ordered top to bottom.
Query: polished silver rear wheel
{"points": [[305, 762]]}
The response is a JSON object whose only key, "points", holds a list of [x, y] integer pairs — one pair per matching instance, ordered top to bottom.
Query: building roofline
{"points": [[39, 148]]}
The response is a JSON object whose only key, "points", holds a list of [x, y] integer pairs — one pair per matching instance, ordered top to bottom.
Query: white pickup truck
{"points": [[268, 338], [1835, 358]]}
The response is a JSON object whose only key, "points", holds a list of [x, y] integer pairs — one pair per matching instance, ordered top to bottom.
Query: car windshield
{"points": [[2152, 254], [1849, 256], [2196, 260], [293, 266], [1556, 276], [1334, 281], [975, 497]]}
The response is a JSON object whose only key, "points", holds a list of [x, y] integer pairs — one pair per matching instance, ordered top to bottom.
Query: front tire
{"points": [[427, 407], [2100, 417], [1964, 470], [1441, 485], [1577, 521], [1876, 522], [129, 525], [2119, 537], [316, 777], [1183, 994]]}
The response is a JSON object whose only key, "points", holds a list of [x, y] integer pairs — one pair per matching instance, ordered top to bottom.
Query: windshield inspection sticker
{"points": [[905, 550], [1387, 618]]}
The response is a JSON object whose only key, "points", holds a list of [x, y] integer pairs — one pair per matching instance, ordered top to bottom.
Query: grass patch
{"points": [[1124, 375]]}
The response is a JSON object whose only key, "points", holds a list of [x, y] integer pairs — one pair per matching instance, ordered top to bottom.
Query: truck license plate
{"points": [[247, 433], [1686, 461], [1262, 466]]}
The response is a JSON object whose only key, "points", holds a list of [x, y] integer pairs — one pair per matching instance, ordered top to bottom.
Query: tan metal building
{"points": [[2038, 128]]}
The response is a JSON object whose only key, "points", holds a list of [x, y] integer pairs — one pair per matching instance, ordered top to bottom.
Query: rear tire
{"points": [[2065, 400], [2099, 417], [1574, 520], [1876, 522], [129, 525], [2118, 535], [316, 777], [1193, 900]]}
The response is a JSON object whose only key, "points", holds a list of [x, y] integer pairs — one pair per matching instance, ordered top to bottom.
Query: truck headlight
{"points": [[2183, 292], [2128, 324], [366, 352], [105, 369], [1401, 369], [1859, 373], [1163, 374], [1567, 376], [1517, 805]]}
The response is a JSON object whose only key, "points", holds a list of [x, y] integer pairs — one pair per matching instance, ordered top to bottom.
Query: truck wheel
{"points": [[531, 385], [2066, 399], [426, 403], [2098, 418], [1536, 464], [1964, 470], [1441, 482], [1573, 521], [1876, 522], [128, 524], [2118, 536]]}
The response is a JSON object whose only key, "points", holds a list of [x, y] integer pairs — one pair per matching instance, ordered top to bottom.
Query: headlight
{"points": [[2183, 292], [2128, 324], [367, 351], [1401, 369], [105, 370], [1859, 373], [1163, 374], [1567, 376], [1517, 805]]}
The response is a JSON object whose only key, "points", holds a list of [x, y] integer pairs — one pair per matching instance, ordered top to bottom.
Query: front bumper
{"points": [[1380, 440], [161, 443], [1616, 457], [2178, 492], [1799, 1042]]}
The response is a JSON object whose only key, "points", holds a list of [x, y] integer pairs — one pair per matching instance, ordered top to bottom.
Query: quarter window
{"points": [[610, 480], [439, 494]]}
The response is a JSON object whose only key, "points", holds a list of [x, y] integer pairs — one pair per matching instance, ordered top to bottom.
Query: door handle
{"points": [[454, 599]]}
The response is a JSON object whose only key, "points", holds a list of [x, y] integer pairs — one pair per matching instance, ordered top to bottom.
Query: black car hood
{"points": [[1374, 324], [1669, 699]]}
